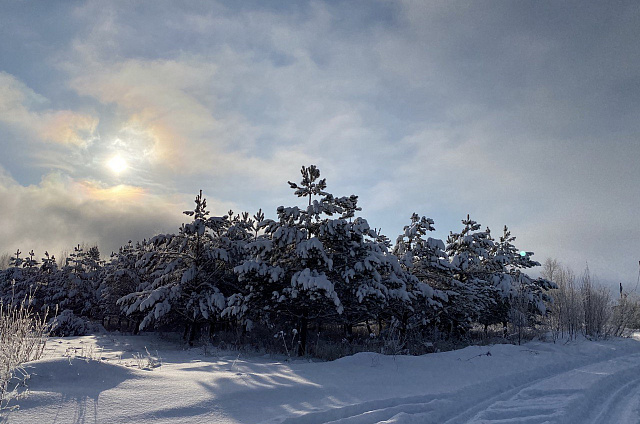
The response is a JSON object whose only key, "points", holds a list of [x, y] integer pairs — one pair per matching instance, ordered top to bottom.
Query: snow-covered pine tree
{"points": [[469, 251], [49, 265], [318, 265], [498, 265], [48, 271], [189, 275], [121, 277], [285, 277], [15, 280], [24, 280], [369, 280], [75, 285], [437, 298], [522, 298]]}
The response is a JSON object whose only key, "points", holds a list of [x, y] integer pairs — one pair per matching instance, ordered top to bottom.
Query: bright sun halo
{"points": [[117, 164]]}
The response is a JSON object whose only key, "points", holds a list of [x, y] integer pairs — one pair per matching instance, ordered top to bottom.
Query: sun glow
{"points": [[117, 164]]}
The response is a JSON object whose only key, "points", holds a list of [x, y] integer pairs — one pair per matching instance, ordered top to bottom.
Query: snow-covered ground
{"points": [[577, 382]]}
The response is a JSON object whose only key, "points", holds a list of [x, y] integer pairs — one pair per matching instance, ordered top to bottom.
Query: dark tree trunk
{"points": [[404, 324], [193, 330], [348, 330], [304, 332], [185, 334]]}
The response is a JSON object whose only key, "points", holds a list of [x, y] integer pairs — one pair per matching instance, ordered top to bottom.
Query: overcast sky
{"points": [[519, 113]]}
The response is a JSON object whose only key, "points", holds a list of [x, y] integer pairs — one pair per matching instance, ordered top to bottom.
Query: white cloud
{"points": [[22, 108], [60, 212]]}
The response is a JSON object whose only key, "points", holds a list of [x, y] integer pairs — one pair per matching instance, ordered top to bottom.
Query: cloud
{"points": [[155, 96], [22, 108], [66, 127], [59, 213]]}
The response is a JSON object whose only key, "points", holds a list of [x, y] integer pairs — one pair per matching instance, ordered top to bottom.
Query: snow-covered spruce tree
{"points": [[317, 264], [189, 275]]}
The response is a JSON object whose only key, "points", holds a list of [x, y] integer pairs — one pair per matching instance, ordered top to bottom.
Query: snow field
{"points": [[578, 382]]}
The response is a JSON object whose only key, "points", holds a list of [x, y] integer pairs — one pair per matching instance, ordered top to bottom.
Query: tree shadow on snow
{"points": [[61, 381]]}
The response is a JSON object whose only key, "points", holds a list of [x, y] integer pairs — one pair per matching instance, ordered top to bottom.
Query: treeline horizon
{"points": [[316, 268]]}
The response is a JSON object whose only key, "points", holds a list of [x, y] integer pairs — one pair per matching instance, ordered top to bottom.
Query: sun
{"points": [[117, 164]]}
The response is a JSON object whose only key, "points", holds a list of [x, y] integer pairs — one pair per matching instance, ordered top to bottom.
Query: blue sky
{"points": [[518, 113]]}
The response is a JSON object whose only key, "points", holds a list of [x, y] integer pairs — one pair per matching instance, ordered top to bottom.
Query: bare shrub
{"points": [[5, 260], [596, 302], [585, 307], [625, 315], [565, 316], [23, 336]]}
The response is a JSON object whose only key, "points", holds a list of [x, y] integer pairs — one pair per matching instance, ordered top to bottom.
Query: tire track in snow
{"points": [[536, 396]]}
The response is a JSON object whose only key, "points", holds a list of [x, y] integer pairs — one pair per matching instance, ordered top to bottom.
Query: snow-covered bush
{"points": [[68, 324]]}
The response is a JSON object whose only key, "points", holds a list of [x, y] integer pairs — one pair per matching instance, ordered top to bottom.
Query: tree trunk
{"points": [[404, 324], [193, 329], [348, 330], [304, 331]]}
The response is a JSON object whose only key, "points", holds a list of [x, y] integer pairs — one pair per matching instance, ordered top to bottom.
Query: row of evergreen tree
{"points": [[313, 267]]}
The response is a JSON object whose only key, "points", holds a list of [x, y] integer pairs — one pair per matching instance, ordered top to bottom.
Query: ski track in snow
{"points": [[606, 391], [589, 394]]}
